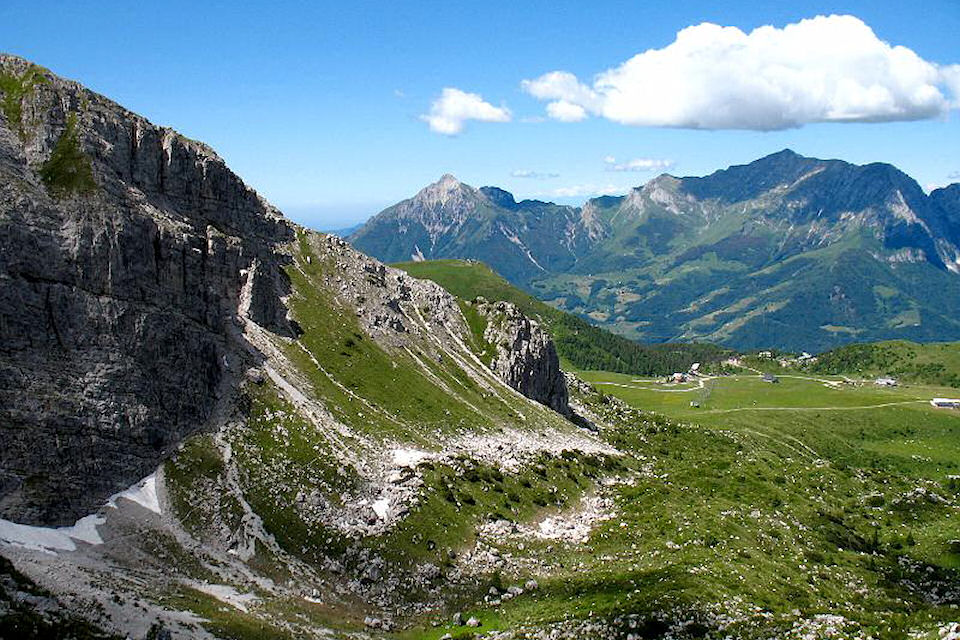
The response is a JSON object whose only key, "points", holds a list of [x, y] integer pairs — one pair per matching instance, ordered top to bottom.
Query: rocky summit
{"points": [[836, 252]]}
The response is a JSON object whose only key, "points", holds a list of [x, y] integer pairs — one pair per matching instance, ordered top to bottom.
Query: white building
{"points": [[886, 382], [946, 403]]}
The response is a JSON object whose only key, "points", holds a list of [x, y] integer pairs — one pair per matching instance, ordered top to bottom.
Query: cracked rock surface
{"points": [[116, 306], [526, 358]]}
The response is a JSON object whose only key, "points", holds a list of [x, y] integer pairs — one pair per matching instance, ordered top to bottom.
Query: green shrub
{"points": [[15, 88], [68, 170]]}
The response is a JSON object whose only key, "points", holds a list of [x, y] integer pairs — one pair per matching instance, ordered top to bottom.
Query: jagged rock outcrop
{"points": [[123, 251], [526, 358]]}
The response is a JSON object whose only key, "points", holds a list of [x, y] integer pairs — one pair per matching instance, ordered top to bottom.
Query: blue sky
{"points": [[319, 105]]}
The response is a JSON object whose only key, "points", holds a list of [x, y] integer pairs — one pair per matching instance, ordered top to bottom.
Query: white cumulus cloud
{"points": [[823, 69], [454, 108], [566, 111], [638, 164]]}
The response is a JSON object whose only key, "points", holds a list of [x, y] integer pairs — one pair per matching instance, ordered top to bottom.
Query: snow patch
{"points": [[143, 493], [381, 507], [53, 539], [227, 594]]}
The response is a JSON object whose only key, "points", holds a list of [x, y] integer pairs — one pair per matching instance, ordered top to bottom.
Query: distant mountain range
{"points": [[787, 251]]}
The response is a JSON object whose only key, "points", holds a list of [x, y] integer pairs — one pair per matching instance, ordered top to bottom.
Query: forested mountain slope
{"points": [[787, 251]]}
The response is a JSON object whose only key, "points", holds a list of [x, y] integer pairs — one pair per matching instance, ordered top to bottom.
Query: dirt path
{"points": [[702, 382], [853, 408]]}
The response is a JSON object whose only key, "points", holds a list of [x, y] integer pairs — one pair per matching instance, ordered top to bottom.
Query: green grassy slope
{"points": [[742, 292], [580, 344], [934, 363], [300, 476], [823, 499], [768, 511], [754, 515]]}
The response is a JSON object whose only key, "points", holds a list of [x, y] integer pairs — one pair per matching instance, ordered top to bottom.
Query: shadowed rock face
{"points": [[117, 304], [526, 357]]}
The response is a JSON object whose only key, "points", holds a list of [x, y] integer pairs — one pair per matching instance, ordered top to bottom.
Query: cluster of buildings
{"points": [[693, 372]]}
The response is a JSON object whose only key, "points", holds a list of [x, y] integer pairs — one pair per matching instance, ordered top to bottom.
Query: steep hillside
{"points": [[123, 249], [787, 251], [580, 344], [933, 363], [252, 429]]}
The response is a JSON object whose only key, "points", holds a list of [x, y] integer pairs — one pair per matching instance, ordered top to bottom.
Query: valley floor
{"points": [[815, 507]]}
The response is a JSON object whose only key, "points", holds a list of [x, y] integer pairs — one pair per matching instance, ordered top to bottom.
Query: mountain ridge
{"points": [[645, 264], [198, 396]]}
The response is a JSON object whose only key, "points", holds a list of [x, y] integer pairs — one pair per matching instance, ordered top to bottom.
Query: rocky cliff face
{"points": [[123, 250], [140, 279], [526, 358]]}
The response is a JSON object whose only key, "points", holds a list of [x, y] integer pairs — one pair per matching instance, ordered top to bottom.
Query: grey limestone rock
{"points": [[117, 305], [526, 358]]}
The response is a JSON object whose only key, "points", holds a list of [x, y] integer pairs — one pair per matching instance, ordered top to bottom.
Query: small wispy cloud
{"points": [[449, 113], [637, 164], [533, 175], [954, 175], [586, 190]]}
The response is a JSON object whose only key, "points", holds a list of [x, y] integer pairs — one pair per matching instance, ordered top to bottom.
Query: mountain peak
{"points": [[784, 153], [447, 181], [745, 181], [445, 190]]}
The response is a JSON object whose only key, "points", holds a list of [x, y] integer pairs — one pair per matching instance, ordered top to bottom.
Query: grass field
{"points": [[747, 393], [890, 429], [892, 434], [815, 507], [802, 509]]}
